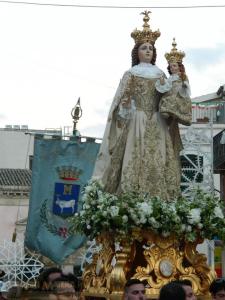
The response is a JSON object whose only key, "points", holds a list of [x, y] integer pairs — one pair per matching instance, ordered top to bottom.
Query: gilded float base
{"points": [[149, 257]]}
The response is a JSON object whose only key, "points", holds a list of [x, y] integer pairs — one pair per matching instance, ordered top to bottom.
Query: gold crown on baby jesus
{"points": [[146, 35], [174, 55]]}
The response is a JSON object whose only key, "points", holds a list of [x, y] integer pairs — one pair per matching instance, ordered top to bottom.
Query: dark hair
{"points": [[134, 54], [182, 71], [45, 274], [66, 278], [131, 282], [183, 282], [217, 285], [172, 291]]}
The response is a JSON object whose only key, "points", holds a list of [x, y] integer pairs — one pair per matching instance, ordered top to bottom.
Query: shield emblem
{"points": [[66, 197]]}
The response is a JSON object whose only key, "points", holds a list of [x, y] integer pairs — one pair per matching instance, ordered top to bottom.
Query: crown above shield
{"points": [[146, 35], [174, 55], [68, 172]]}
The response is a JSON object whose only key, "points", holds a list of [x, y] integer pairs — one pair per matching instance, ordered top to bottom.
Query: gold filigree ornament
{"points": [[146, 35], [174, 55], [149, 257], [170, 259], [107, 274], [96, 275]]}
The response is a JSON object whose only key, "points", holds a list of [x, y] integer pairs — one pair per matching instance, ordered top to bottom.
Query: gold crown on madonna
{"points": [[146, 35], [174, 55]]}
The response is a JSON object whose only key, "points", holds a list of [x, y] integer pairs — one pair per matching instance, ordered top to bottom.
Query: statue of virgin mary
{"points": [[138, 152]]}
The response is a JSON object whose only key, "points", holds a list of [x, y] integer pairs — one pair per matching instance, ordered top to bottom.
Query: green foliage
{"points": [[203, 215]]}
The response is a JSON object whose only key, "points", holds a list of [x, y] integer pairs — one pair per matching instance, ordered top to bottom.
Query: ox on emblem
{"points": [[66, 197]]}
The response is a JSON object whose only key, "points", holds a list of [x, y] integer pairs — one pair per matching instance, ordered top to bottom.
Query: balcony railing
{"points": [[202, 113]]}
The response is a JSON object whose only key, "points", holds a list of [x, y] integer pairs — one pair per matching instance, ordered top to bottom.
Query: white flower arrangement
{"points": [[202, 216]]}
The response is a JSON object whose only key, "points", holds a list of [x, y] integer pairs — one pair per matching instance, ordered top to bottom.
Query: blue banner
{"points": [[61, 168]]}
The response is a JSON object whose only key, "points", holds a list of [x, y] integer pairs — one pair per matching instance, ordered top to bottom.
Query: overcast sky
{"points": [[51, 55]]}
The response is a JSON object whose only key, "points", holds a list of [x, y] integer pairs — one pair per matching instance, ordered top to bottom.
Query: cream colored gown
{"points": [[137, 151]]}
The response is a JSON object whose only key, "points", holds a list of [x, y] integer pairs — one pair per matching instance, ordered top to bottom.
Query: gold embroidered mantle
{"points": [[175, 105], [138, 153]]}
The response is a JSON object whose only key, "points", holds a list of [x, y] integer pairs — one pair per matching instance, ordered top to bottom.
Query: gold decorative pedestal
{"points": [[148, 257]]}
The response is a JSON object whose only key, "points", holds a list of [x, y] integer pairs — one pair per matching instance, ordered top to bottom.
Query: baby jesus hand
{"points": [[162, 80], [126, 103]]}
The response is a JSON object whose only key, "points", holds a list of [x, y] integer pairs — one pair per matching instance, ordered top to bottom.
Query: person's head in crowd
{"points": [[47, 276], [187, 286], [64, 288], [217, 289], [134, 290], [172, 291], [14, 292], [2, 297]]}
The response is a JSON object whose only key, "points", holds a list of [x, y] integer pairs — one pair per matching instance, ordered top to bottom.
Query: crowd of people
{"points": [[53, 284], [174, 290]]}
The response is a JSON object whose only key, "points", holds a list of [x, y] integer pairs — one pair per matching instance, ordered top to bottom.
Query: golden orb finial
{"points": [[146, 20]]}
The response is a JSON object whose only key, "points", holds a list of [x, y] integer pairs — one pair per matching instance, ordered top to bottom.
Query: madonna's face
{"points": [[145, 52], [174, 68]]}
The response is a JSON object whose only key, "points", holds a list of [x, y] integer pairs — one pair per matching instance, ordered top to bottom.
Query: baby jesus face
{"points": [[174, 68]]}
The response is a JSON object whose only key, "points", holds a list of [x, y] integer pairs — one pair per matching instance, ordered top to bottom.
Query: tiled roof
{"points": [[15, 177], [15, 183]]}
